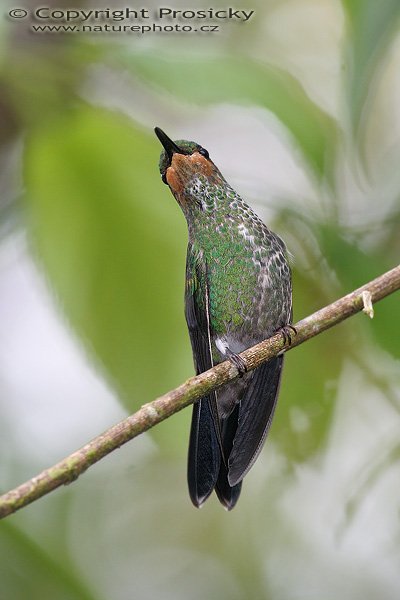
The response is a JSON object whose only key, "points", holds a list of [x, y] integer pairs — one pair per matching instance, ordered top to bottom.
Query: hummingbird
{"points": [[238, 292]]}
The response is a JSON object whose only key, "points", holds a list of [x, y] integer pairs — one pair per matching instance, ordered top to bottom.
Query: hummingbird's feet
{"points": [[286, 332], [237, 361]]}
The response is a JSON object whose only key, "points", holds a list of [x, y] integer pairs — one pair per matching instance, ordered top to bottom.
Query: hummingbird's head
{"points": [[182, 163]]}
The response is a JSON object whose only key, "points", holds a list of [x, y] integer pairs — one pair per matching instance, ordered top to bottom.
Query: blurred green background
{"points": [[299, 108]]}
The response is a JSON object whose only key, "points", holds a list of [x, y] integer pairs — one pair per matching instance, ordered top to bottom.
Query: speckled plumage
{"points": [[247, 262], [238, 292]]}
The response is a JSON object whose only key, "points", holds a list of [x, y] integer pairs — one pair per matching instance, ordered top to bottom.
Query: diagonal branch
{"points": [[68, 469]]}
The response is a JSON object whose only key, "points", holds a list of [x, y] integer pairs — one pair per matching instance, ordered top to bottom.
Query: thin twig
{"points": [[72, 466]]}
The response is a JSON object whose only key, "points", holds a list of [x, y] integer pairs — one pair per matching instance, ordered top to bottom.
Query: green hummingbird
{"points": [[238, 292]]}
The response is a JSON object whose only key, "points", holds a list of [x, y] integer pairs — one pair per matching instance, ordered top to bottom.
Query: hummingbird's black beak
{"points": [[169, 146]]}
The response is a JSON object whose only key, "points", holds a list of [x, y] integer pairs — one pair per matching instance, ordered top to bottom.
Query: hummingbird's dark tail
{"points": [[256, 410], [243, 434], [204, 458], [206, 468], [227, 495]]}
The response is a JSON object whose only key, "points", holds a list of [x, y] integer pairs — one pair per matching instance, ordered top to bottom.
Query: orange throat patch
{"points": [[184, 168]]}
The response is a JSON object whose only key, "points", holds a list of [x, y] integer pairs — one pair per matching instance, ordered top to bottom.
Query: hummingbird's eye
{"points": [[203, 152]]}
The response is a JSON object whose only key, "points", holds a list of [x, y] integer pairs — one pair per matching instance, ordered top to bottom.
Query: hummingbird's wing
{"points": [[256, 410], [205, 444]]}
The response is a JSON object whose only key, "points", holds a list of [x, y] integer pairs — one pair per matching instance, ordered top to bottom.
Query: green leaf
{"points": [[371, 26], [238, 80], [112, 241], [355, 267], [309, 384], [308, 393], [29, 571]]}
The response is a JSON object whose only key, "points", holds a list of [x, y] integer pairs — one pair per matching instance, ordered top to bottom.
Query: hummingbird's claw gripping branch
{"points": [[286, 332], [238, 362]]}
